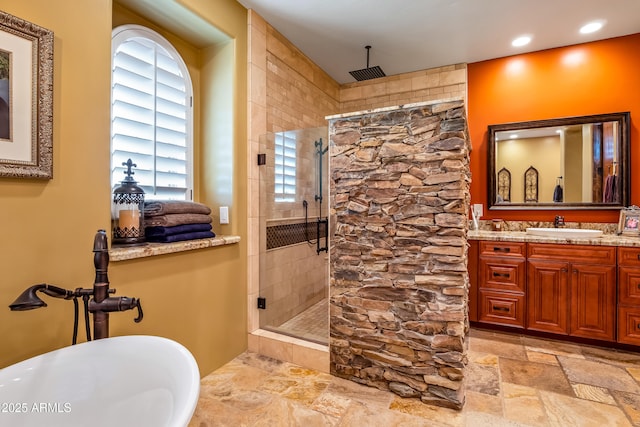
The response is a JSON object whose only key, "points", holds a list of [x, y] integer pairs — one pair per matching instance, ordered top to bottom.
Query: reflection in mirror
{"points": [[565, 163], [504, 185], [531, 185]]}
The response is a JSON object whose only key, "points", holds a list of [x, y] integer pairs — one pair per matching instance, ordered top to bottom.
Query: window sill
{"points": [[123, 253]]}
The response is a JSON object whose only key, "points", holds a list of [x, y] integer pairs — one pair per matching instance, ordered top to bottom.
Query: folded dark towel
{"points": [[164, 207], [170, 220], [176, 229], [181, 237]]}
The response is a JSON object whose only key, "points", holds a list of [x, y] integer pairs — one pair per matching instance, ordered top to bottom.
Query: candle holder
{"points": [[127, 210]]}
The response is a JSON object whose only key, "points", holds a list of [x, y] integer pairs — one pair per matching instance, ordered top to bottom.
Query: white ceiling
{"points": [[411, 35]]}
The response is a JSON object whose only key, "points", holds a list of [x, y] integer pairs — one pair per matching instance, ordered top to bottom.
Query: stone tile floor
{"points": [[312, 324], [512, 380]]}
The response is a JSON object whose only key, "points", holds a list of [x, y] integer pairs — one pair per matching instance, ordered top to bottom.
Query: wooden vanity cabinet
{"points": [[501, 283], [571, 290], [629, 295], [548, 296]]}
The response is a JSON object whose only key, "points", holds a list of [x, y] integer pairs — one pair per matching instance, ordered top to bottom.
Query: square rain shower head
{"points": [[367, 73]]}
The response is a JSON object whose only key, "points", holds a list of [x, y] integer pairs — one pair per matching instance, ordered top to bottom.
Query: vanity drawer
{"points": [[510, 249], [573, 253], [629, 257], [502, 273], [629, 285], [501, 308], [629, 325]]}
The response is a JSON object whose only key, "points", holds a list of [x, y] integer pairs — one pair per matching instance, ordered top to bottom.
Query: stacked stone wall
{"points": [[399, 283]]}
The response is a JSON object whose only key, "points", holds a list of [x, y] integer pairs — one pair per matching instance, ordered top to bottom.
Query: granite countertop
{"points": [[392, 108], [521, 236], [124, 253]]}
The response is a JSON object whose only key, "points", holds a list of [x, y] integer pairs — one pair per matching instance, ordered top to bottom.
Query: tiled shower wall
{"points": [[425, 85], [306, 177], [295, 279]]}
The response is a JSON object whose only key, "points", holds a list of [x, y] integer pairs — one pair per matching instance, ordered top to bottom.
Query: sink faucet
{"points": [[559, 221], [100, 305]]}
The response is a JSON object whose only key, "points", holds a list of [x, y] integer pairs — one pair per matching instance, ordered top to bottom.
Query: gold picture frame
{"points": [[26, 99], [629, 222]]}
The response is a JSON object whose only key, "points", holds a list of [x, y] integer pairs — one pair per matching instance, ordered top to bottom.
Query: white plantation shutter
{"points": [[151, 114], [285, 167]]}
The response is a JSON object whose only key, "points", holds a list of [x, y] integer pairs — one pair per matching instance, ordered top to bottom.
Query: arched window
{"points": [[151, 113]]}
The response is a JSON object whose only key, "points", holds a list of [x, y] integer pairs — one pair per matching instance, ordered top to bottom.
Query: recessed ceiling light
{"points": [[591, 27], [521, 41], [513, 136]]}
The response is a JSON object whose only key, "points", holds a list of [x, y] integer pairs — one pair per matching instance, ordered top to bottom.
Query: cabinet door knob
{"points": [[638, 256], [563, 270], [575, 271]]}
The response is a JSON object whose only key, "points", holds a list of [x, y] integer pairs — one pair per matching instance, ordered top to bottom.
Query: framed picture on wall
{"points": [[26, 99], [629, 222]]}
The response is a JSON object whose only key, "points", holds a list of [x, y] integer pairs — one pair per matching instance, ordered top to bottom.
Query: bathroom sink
{"points": [[564, 232], [123, 381]]}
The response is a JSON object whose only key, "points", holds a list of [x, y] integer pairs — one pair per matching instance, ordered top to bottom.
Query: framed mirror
{"points": [[580, 163]]}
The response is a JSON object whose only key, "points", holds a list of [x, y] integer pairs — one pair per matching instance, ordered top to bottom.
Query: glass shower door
{"points": [[293, 234]]}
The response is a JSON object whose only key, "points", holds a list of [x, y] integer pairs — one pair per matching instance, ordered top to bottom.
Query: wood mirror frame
{"points": [[621, 166]]}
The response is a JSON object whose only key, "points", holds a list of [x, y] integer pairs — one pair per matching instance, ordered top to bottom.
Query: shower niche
{"points": [[293, 234]]}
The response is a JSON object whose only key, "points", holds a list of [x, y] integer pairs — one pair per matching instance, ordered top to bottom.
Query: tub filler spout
{"points": [[96, 299]]}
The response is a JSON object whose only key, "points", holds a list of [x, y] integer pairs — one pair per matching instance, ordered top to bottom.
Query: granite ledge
{"points": [[392, 108], [521, 236], [153, 249]]}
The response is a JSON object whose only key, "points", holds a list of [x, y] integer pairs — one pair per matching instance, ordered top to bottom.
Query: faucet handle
{"points": [[127, 303], [138, 319]]}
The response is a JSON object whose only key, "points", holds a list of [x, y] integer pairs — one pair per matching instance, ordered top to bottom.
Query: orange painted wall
{"points": [[591, 78]]}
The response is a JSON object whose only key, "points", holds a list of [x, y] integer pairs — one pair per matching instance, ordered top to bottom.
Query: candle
{"points": [[129, 219]]}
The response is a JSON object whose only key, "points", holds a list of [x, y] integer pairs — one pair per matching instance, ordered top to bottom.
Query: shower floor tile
{"points": [[312, 324]]}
